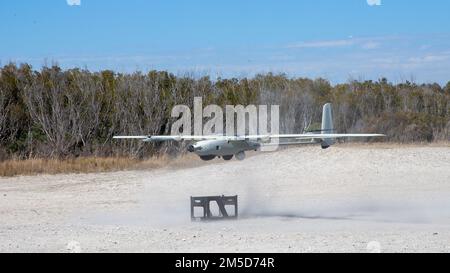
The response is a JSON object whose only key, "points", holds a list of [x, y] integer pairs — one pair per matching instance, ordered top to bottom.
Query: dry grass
{"points": [[77, 165], [15, 167]]}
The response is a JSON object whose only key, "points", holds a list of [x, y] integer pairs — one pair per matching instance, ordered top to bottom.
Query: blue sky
{"points": [[337, 40]]}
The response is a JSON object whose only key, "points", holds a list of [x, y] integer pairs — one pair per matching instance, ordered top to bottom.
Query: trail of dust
{"points": [[416, 212]]}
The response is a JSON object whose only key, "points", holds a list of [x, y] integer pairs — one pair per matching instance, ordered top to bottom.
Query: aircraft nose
{"points": [[191, 148]]}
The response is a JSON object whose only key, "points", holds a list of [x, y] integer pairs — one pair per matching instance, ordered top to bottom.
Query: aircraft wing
{"points": [[312, 136], [130, 137], [247, 137], [172, 138]]}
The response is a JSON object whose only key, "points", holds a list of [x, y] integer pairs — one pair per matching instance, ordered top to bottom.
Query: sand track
{"points": [[296, 200]]}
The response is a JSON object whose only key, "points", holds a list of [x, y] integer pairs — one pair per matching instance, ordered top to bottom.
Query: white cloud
{"points": [[74, 2], [374, 2], [364, 43], [322, 44], [370, 45], [429, 59]]}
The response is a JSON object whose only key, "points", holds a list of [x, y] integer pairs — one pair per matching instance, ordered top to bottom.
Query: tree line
{"points": [[56, 113]]}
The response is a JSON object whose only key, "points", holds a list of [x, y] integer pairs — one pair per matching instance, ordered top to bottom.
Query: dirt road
{"points": [[296, 200]]}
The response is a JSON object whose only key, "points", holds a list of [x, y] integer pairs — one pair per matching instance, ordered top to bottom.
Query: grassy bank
{"points": [[76, 165]]}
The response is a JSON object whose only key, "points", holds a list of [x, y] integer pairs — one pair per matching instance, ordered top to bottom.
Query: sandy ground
{"points": [[296, 200]]}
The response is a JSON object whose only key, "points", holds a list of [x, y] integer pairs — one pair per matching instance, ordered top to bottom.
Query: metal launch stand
{"points": [[219, 212]]}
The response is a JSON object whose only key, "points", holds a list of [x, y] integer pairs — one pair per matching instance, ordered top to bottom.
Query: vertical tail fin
{"points": [[327, 125]]}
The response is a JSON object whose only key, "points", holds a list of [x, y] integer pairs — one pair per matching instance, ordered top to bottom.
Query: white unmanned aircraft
{"points": [[210, 147]]}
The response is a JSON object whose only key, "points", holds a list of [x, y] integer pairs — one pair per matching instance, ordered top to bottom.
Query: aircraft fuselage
{"points": [[209, 149]]}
